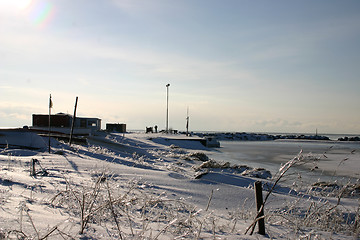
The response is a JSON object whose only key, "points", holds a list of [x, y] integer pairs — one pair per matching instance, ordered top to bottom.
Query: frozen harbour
{"points": [[333, 160], [144, 186]]}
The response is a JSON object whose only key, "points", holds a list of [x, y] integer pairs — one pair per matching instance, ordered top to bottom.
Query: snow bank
{"points": [[21, 138], [194, 144]]}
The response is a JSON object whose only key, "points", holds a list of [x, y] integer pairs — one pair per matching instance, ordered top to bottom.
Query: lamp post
{"points": [[167, 107]]}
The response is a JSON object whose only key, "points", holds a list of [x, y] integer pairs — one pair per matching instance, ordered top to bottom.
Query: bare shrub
{"points": [[133, 211]]}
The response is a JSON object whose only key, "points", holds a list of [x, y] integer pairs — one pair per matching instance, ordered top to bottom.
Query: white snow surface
{"points": [[21, 137], [144, 186]]}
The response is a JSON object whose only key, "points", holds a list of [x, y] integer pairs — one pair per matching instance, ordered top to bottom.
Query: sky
{"points": [[235, 65]]}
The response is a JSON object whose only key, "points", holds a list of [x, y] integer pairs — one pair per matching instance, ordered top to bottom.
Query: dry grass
{"points": [[133, 210]]}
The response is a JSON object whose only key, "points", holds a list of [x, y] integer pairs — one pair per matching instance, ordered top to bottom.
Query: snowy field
{"points": [[139, 186]]}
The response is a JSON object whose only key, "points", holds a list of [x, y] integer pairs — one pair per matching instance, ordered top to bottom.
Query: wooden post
{"points": [[50, 106], [73, 122], [32, 167], [259, 207]]}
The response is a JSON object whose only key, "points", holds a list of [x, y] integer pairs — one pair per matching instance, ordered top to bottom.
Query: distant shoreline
{"points": [[243, 136], [331, 136]]}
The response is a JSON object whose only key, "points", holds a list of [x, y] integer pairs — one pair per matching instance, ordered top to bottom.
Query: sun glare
{"points": [[16, 4], [23, 4]]}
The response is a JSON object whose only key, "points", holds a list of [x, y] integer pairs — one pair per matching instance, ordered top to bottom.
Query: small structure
{"points": [[61, 122], [116, 127], [149, 130], [210, 142]]}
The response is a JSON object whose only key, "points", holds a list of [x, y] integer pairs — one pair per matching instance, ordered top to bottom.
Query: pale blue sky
{"points": [[264, 66]]}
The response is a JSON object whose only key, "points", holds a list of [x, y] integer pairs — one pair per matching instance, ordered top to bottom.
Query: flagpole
{"points": [[50, 106]]}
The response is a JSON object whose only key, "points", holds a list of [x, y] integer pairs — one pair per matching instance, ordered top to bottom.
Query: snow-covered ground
{"points": [[152, 186]]}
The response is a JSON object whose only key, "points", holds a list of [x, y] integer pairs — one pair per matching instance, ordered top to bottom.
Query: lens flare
{"points": [[40, 12]]}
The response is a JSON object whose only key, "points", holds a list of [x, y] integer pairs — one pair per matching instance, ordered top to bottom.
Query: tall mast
{"points": [[187, 122]]}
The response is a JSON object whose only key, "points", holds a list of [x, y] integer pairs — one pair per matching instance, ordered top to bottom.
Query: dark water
{"points": [[270, 155]]}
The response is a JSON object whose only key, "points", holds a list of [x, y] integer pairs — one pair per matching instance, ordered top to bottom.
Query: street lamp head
{"points": [[167, 85]]}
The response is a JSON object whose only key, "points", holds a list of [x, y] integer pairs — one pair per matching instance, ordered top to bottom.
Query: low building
{"points": [[62, 122], [116, 127]]}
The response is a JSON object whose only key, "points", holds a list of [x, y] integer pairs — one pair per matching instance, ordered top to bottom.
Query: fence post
{"points": [[32, 167], [259, 207]]}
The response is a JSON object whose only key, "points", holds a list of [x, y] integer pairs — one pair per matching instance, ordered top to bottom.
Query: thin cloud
{"points": [[138, 7], [6, 87]]}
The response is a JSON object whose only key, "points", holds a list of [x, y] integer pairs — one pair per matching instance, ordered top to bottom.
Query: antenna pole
{"points": [[187, 122]]}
